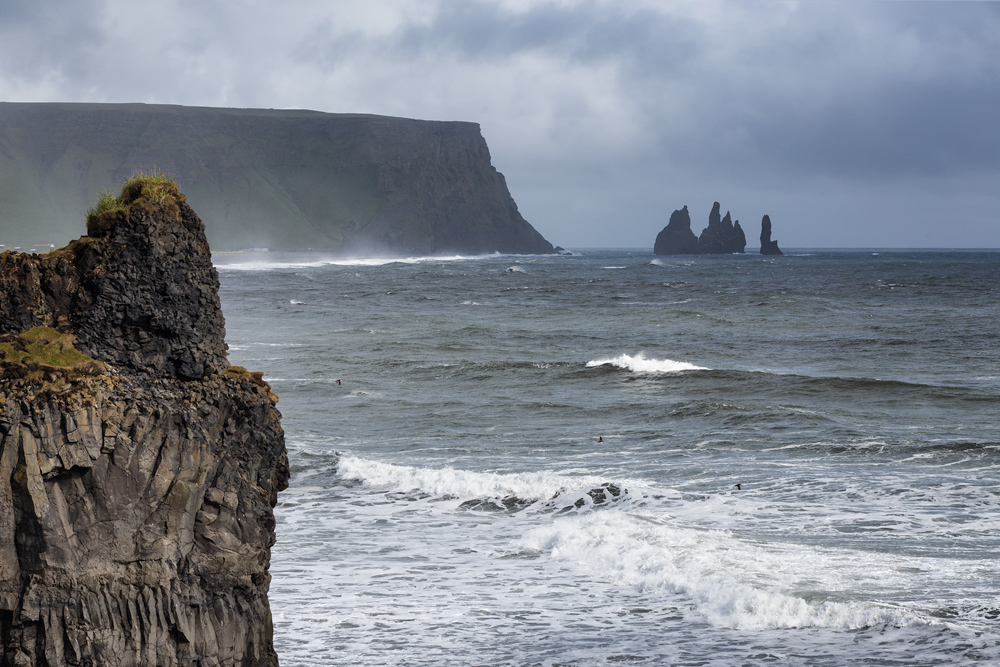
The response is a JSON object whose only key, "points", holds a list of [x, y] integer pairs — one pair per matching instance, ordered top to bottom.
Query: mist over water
{"points": [[534, 460]]}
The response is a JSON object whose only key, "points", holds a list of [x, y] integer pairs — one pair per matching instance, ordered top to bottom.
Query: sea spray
{"points": [[640, 364]]}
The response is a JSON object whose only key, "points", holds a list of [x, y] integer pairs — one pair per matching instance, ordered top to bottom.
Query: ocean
{"points": [[613, 457]]}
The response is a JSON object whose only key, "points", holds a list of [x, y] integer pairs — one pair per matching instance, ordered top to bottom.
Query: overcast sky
{"points": [[850, 122]]}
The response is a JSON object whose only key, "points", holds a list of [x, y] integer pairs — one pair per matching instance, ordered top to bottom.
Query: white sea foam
{"points": [[270, 265], [640, 364], [464, 484], [732, 582]]}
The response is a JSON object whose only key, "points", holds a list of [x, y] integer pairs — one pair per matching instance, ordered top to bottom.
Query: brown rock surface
{"points": [[136, 495]]}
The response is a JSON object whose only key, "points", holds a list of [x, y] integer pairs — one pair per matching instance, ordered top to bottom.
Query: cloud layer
{"points": [[850, 122]]}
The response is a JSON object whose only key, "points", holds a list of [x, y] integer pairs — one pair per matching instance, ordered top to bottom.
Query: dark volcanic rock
{"points": [[721, 236], [677, 238], [767, 246], [136, 497]]}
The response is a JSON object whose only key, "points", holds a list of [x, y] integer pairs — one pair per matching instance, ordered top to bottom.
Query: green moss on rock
{"points": [[43, 354]]}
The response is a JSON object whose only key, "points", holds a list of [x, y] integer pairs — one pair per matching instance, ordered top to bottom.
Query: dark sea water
{"points": [[534, 460]]}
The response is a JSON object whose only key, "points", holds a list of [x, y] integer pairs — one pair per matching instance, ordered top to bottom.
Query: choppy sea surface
{"points": [[613, 457]]}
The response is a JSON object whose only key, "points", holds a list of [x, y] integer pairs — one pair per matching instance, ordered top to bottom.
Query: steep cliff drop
{"points": [[767, 246], [138, 469]]}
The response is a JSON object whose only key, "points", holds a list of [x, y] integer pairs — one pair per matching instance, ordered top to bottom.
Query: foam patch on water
{"points": [[259, 264], [640, 364], [447, 481], [731, 582]]}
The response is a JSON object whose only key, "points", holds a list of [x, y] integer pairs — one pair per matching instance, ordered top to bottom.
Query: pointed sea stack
{"points": [[721, 237], [677, 238], [767, 246], [138, 469]]}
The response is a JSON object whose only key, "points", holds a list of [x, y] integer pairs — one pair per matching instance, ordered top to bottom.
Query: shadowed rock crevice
{"points": [[138, 469]]}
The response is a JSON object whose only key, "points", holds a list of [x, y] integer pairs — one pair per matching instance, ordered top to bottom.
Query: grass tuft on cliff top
{"points": [[150, 192], [44, 354]]}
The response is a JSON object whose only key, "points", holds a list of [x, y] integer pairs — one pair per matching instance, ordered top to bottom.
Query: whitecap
{"points": [[640, 364], [463, 484], [733, 583]]}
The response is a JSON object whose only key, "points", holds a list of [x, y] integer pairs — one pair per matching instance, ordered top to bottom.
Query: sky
{"points": [[851, 123]]}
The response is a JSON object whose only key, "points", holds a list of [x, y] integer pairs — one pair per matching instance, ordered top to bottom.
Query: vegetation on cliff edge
{"points": [[151, 192], [43, 354]]}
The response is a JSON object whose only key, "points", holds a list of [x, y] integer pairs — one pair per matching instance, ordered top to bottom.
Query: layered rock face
{"points": [[767, 246], [138, 469]]}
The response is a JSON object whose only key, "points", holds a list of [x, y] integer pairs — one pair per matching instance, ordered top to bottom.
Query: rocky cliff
{"points": [[349, 183], [767, 246], [138, 469]]}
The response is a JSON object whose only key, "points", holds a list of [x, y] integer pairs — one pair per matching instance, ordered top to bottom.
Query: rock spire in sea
{"points": [[722, 236], [767, 246], [138, 468]]}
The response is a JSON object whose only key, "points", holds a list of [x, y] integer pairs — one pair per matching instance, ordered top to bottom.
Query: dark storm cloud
{"points": [[909, 89], [590, 107]]}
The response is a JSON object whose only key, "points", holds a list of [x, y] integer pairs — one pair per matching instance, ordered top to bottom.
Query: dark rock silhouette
{"points": [[721, 236], [677, 238], [767, 246], [138, 468]]}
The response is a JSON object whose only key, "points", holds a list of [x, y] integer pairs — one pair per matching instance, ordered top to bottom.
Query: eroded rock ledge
{"points": [[138, 469]]}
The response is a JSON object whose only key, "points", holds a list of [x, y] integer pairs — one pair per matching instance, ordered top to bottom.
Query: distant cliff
{"points": [[349, 183], [138, 469]]}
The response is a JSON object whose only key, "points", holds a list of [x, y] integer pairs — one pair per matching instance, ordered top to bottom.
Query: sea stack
{"points": [[721, 236], [677, 238], [767, 246], [138, 468]]}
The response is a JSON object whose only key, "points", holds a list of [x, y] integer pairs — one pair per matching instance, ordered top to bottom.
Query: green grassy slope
{"points": [[281, 179]]}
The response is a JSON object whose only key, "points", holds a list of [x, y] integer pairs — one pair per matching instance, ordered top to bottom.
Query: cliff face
{"points": [[349, 183], [138, 469]]}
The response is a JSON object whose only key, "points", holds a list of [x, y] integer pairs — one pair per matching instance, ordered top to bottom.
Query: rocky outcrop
{"points": [[284, 179], [722, 236], [677, 238], [767, 246], [138, 469]]}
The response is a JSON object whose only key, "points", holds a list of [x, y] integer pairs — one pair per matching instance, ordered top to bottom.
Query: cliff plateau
{"points": [[285, 179], [138, 469]]}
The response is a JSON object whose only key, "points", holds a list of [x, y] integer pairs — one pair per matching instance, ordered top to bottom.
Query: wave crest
{"points": [[640, 364]]}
